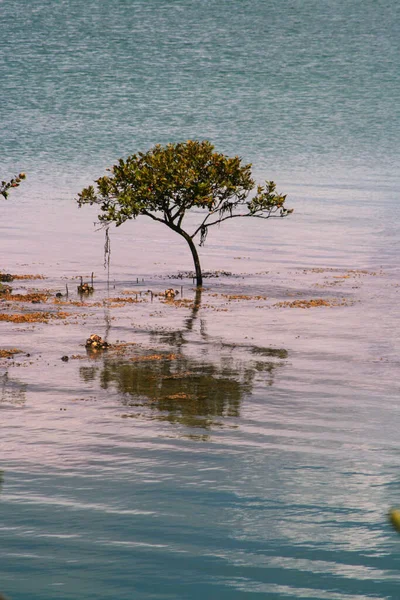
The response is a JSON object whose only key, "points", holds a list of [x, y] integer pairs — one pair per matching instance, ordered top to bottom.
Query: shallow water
{"points": [[236, 446]]}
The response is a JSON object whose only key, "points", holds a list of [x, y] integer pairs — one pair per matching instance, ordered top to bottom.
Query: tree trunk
{"points": [[199, 276]]}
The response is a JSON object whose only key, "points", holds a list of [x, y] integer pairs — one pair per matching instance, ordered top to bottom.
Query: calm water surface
{"points": [[235, 448]]}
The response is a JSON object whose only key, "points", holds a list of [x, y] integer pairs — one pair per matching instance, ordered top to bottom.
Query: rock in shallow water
{"points": [[95, 342]]}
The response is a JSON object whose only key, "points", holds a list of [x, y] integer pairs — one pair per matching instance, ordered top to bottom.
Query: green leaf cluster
{"points": [[167, 181], [267, 202]]}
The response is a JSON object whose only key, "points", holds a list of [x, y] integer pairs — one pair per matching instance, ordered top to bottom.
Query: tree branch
{"points": [[148, 214], [269, 216]]}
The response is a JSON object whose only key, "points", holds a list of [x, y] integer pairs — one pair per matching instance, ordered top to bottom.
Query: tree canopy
{"points": [[168, 181], [5, 186]]}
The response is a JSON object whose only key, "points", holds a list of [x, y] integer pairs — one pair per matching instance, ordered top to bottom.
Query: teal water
{"points": [[275, 481]]}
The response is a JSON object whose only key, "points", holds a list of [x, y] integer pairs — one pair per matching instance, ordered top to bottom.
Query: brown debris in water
{"points": [[349, 272], [29, 277], [4, 290], [134, 292], [35, 297], [243, 297], [126, 300], [60, 302], [183, 302], [315, 302], [36, 317], [122, 347], [9, 353], [153, 357]]}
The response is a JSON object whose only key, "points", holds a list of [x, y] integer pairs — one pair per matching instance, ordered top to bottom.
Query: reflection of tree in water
{"points": [[177, 337], [88, 374], [12, 391], [187, 391], [196, 392]]}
